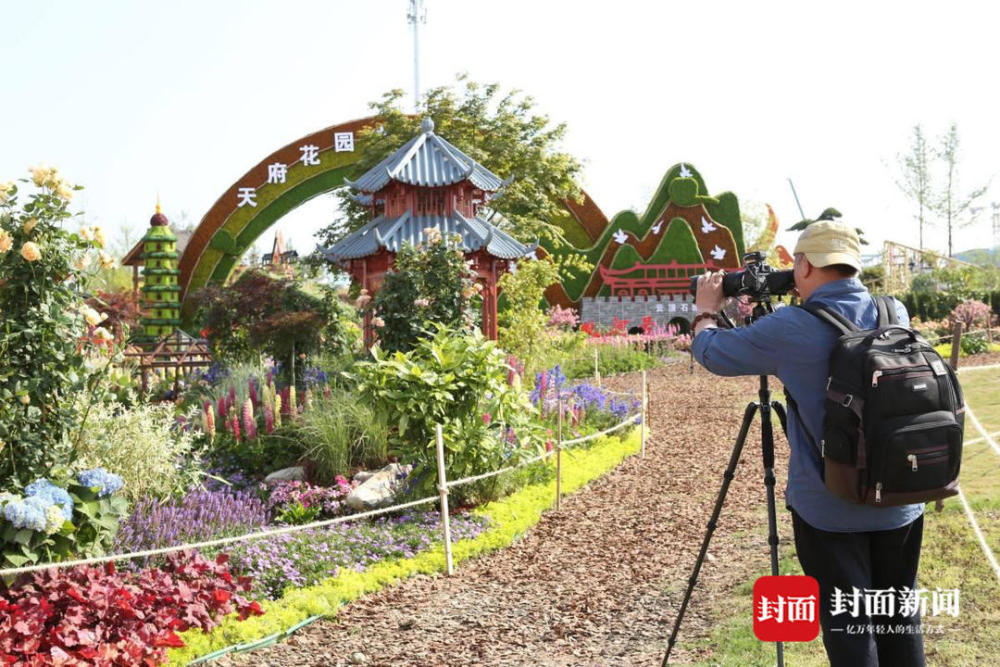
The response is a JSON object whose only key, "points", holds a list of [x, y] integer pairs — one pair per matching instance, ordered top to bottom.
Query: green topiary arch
{"points": [[233, 224]]}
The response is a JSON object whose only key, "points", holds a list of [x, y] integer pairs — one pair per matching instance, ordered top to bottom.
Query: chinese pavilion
{"points": [[428, 183], [160, 291]]}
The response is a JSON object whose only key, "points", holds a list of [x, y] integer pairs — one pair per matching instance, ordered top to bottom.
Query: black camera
{"points": [[758, 280]]}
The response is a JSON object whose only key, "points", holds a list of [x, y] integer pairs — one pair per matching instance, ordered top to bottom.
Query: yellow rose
{"points": [[40, 175], [5, 189], [64, 191], [29, 225], [85, 234], [99, 236], [5, 241], [30, 252], [106, 260], [82, 262], [103, 334]]}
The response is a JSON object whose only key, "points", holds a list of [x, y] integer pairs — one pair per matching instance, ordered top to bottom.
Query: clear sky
{"points": [[181, 98]]}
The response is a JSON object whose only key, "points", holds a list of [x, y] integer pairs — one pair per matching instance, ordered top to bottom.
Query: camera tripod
{"points": [[765, 405]]}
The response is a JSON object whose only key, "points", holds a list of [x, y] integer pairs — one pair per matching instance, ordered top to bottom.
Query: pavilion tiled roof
{"points": [[427, 160], [392, 233]]}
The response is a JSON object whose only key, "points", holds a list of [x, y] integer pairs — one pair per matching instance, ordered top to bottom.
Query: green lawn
{"points": [[951, 558]]}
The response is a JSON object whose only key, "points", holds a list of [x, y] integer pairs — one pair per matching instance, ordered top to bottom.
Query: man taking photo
{"points": [[841, 544]]}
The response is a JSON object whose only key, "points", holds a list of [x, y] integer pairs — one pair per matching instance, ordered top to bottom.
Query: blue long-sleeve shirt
{"points": [[795, 346]]}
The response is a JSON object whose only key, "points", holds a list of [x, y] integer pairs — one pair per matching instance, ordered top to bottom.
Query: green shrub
{"points": [[429, 283], [523, 322], [47, 336], [974, 344], [611, 360], [460, 381], [342, 432], [143, 444]]}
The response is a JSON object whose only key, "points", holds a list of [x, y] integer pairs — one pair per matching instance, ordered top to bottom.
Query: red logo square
{"points": [[786, 609]]}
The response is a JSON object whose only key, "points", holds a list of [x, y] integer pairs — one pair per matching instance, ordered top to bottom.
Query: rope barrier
{"points": [[949, 336], [979, 427], [541, 457], [979, 534], [217, 542], [207, 544]]}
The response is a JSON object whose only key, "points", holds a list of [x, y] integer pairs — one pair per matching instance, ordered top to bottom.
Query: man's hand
{"points": [[709, 297]]}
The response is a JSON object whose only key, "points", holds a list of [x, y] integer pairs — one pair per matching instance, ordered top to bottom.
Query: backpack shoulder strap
{"points": [[887, 315], [831, 317]]}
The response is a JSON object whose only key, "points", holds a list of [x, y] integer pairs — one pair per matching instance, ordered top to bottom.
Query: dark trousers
{"points": [[875, 560]]}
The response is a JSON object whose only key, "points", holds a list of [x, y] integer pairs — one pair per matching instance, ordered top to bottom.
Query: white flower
{"points": [[85, 234], [106, 260], [82, 262], [421, 303], [92, 317], [378, 321], [103, 334], [24, 398]]}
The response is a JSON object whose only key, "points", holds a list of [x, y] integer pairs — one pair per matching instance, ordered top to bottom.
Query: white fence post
{"points": [[597, 369], [643, 412], [559, 438], [443, 489]]}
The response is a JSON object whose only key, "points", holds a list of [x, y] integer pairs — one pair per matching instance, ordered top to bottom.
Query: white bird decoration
{"points": [[685, 172], [706, 226], [657, 227], [620, 237], [717, 253]]}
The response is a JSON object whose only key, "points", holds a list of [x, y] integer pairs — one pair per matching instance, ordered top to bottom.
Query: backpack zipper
{"points": [[900, 371], [878, 492]]}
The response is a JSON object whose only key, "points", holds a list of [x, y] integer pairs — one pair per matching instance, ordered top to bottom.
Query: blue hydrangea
{"points": [[99, 478], [43, 488], [27, 513]]}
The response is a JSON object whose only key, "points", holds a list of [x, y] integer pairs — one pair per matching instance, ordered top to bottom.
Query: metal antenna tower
{"points": [[416, 15], [996, 231]]}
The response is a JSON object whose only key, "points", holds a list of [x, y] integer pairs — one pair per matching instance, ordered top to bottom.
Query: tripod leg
{"points": [[782, 416], [767, 454], [734, 459]]}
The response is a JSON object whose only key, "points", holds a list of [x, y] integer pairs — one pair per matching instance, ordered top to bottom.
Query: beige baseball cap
{"points": [[825, 243]]}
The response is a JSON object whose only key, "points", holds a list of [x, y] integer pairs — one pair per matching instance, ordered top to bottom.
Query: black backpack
{"points": [[895, 416]]}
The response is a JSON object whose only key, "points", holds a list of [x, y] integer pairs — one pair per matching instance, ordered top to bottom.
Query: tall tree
{"points": [[498, 129], [915, 178], [951, 204]]}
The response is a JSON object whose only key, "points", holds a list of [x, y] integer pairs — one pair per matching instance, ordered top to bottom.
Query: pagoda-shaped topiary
{"points": [[160, 291]]}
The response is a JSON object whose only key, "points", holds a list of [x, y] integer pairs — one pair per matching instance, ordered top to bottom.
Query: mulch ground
{"points": [[597, 583]]}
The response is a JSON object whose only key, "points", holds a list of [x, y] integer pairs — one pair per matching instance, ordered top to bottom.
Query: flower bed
{"points": [[509, 518], [309, 557], [97, 616]]}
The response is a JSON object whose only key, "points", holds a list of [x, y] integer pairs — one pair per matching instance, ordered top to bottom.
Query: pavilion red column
{"points": [[490, 307]]}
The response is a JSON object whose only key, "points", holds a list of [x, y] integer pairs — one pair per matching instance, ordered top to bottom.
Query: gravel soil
{"points": [[600, 581]]}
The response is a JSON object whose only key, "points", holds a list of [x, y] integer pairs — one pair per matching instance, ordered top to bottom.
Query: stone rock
{"points": [[293, 474], [363, 476], [379, 489], [359, 658]]}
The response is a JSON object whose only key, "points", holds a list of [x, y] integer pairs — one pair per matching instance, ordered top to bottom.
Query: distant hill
{"points": [[980, 256]]}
